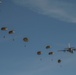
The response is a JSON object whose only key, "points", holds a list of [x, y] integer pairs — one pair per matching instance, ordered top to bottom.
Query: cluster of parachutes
{"points": [[5, 29], [25, 39], [47, 47], [50, 53]]}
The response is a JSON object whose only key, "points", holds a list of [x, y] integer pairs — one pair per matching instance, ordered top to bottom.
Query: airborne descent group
{"points": [[9, 32], [25, 39], [50, 53]]}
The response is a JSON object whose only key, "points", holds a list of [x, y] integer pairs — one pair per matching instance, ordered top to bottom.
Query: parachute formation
{"points": [[9, 31], [26, 39], [49, 53]]}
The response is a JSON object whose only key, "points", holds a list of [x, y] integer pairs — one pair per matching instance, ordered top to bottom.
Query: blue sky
{"points": [[44, 22]]}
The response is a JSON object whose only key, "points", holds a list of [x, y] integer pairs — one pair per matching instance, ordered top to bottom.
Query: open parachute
{"points": [[4, 28], [11, 32], [25, 39], [48, 46], [39, 53], [51, 53], [59, 61]]}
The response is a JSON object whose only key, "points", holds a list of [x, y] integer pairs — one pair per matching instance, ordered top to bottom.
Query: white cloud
{"points": [[58, 9]]}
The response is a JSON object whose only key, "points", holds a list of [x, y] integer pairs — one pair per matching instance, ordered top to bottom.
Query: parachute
{"points": [[4, 28], [11, 32], [25, 39], [47, 47], [39, 53], [51, 53], [59, 61]]}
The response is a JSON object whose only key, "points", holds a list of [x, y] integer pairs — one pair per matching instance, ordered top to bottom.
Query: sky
{"points": [[44, 22]]}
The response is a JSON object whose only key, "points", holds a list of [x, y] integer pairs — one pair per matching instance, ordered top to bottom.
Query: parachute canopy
{"points": [[4, 28], [11, 32], [25, 39], [47, 47], [39, 53], [51, 53], [59, 61]]}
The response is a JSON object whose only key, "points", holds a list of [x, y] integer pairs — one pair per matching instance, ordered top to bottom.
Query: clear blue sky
{"points": [[44, 22]]}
